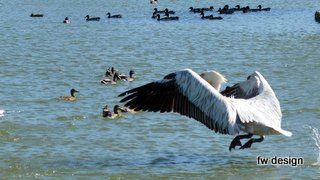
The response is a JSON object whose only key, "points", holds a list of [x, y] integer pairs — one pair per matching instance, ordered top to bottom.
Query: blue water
{"points": [[42, 59]]}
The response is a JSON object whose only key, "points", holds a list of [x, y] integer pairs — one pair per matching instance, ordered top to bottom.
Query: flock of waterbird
{"points": [[167, 14], [111, 77], [250, 106]]}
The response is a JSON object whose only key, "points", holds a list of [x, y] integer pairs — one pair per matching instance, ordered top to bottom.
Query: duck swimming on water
{"points": [[263, 9], [36, 15], [114, 16], [210, 17], [88, 18], [167, 18], [66, 20], [128, 78], [112, 81], [72, 97], [109, 114]]}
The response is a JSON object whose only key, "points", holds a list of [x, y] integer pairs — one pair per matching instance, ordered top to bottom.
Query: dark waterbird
{"points": [[263, 9], [199, 10], [225, 10], [36, 15], [114, 16], [317, 16], [210, 17], [88, 18], [167, 18], [66, 20], [72, 96], [109, 114]]}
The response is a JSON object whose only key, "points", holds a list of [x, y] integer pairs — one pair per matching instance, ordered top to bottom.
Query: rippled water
{"points": [[42, 59]]}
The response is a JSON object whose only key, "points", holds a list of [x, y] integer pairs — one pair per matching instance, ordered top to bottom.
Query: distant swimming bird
{"points": [[153, 1], [238, 8], [207, 9], [246, 9], [263, 9], [195, 10], [199, 10], [225, 10], [254, 10], [169, 12], [36, 15], [154, 15], [114, 16], [317, 16], [210, 17], [88, 18], [167, 18], [66, 20], [110, 72], [128, 78], [112, 81], [72, 97], [250, 106], [2, 113], [111, 115]]}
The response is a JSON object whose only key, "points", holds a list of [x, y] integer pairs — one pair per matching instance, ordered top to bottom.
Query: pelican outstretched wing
{"points": [[186, 93]]}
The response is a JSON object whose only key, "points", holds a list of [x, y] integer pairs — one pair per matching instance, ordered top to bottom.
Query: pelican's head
{"points": [[214, 78]]}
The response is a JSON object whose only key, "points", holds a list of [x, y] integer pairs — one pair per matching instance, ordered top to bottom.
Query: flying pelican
{"points": [[250, 106]]}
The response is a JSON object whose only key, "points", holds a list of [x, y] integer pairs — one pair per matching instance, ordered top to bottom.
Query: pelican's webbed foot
{"points": [[236, 141], [251, 141]]}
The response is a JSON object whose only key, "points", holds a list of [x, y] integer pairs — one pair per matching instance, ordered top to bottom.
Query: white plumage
{"points": [[250, 106]]}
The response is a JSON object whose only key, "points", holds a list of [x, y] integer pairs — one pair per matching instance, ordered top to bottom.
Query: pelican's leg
{"points": [[252, 140], [236, 141]]}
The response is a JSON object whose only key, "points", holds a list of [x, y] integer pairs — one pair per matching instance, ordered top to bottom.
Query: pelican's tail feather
{"points": [[284, 132]]}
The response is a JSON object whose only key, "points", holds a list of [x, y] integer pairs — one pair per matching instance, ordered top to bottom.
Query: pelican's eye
{"points": [[248, 77]]}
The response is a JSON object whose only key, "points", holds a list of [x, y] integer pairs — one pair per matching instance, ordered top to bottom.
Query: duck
{"points": [[153, 1], [238, 8], [207, 9], [246, 9], [263, 9], [156, 10], [195, 10], [226, 10], [253, 10], [169, 12], [36, 15], [154, 15], [114, 16], [317, 16], [205, 17], [210, 17], [88, 18], [167, 18], [66, 20], [110, 72], [126, 78], [112, 81], [72, 97], [2, 112], [109, 114]]}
